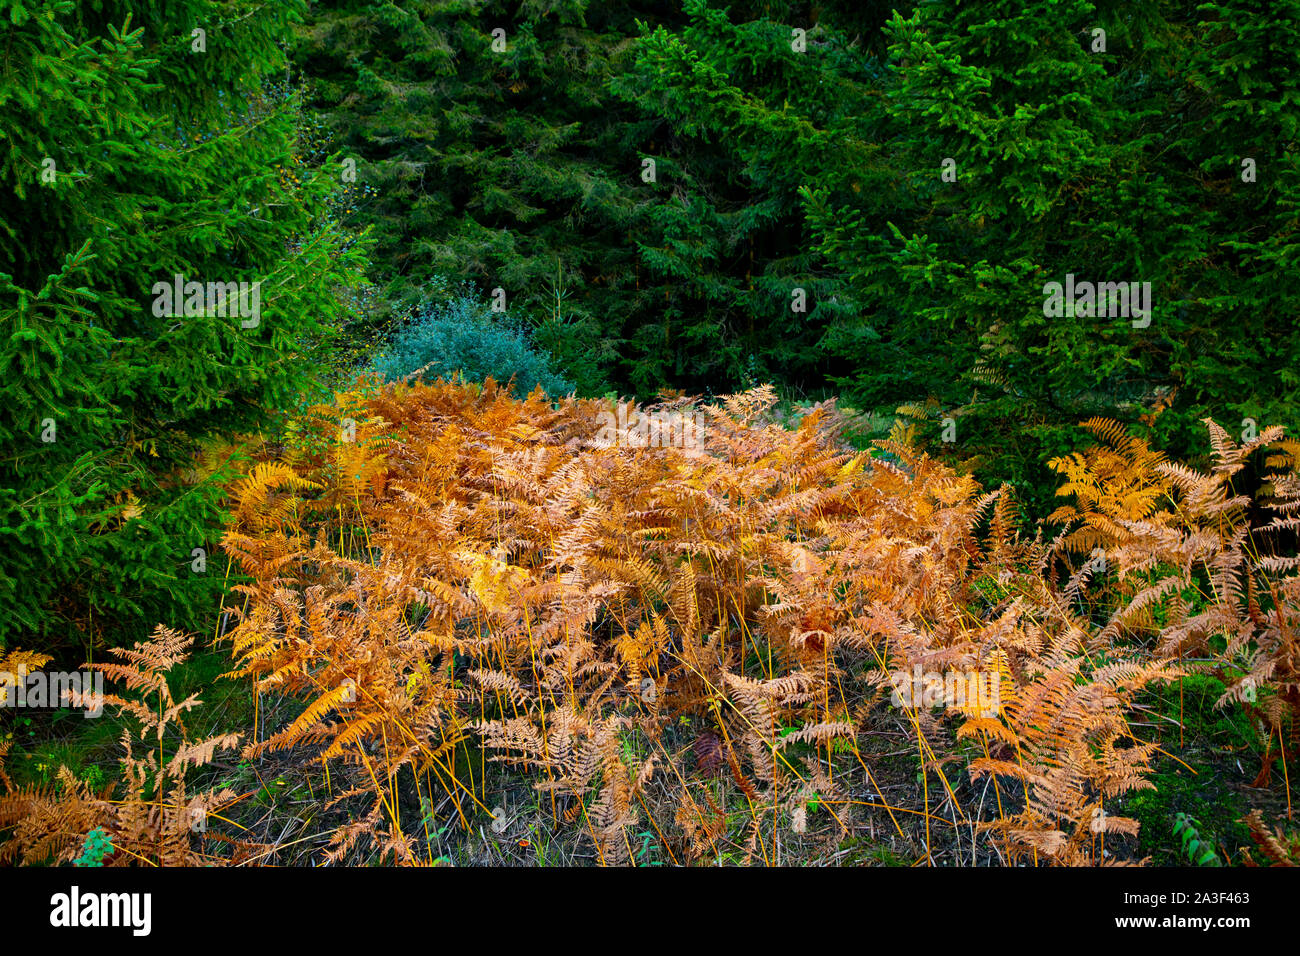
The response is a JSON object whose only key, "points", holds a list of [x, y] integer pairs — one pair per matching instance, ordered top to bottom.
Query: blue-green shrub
{"points": [[462, 334]]}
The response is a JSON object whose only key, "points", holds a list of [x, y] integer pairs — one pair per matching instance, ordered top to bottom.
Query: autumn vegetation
{"points": [[945, 570], [467, 608]]}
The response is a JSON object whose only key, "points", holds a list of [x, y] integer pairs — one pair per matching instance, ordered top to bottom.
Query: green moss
{"points": [[1191, 702], [1208, 743], [1203, 797], [862, 852]]}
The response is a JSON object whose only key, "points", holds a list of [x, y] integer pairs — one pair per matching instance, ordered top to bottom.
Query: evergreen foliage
{"points": [[129, 156], [1121, 165], [461, 335]]}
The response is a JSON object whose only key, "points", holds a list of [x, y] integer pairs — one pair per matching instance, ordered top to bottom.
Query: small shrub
{"points": [[462, 335]]}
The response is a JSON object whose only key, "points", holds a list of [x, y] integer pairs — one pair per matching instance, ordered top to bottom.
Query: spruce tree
{"points": [[1034, 141], [142, 142], [490, 149], [626, 176]]}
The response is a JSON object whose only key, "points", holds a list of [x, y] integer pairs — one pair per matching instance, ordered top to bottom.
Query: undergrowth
{"points": [[476, 631]]}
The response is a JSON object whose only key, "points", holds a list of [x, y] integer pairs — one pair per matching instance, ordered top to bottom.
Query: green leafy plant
{"points": [[97, 846], [1195, 847]]}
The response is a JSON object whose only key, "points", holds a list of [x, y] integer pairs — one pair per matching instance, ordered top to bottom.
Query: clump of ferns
{"points": [[151, 816]]}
